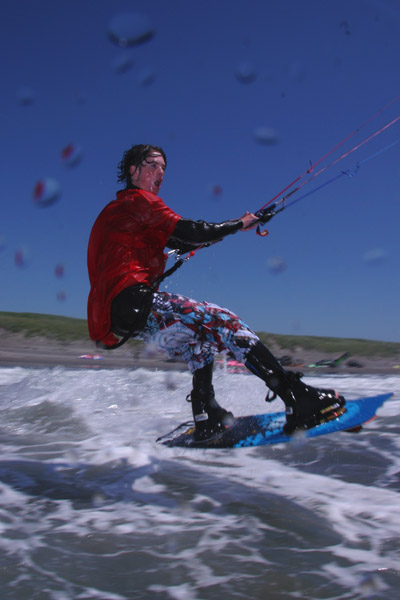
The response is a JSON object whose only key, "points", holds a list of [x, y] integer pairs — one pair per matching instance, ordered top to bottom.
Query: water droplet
{"points": [[345, 26], [130, 29], [122, 63], [245, 72], [146, 76], [25, 96], [266, 136], [71, 155], [217, 190], [46, 192], [375, 256], [21, 257], [276, 265], [59, 270], [151, 351], [170, 380], [298, 439], [98, 499], [371, 585]]}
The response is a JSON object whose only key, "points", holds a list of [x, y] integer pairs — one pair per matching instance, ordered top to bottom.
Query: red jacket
{"points": [[126, 247]]}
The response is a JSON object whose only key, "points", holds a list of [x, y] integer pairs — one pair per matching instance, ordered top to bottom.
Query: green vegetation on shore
{"points": [[51, 326], [69, 329], [356, 347]]}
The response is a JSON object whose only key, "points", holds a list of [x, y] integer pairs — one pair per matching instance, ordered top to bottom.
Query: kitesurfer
{"points": [[126, 260]]}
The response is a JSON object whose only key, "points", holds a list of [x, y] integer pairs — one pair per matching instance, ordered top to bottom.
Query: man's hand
{"points": [[249, 221]]}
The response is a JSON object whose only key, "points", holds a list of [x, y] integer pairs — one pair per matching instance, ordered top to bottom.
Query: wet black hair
{"points": [[135, 156]]}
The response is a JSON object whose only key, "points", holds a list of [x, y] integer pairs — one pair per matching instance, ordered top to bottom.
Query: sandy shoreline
{"points": [[16, 350], [19, 351]]}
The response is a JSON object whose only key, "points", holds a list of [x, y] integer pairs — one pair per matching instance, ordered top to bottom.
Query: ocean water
{"points": [[91, 507]]}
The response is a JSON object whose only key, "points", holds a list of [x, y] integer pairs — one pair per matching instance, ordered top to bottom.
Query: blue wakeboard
{"points": [[261, 430]]}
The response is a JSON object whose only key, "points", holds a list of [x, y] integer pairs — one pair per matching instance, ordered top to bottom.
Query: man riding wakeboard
{"points": [[126, 261]]}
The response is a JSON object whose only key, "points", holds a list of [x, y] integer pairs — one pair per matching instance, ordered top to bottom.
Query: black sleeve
{"points": [[188, 234]]}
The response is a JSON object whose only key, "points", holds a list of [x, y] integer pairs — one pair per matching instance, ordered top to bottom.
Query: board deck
{"points": [[264, 429]]}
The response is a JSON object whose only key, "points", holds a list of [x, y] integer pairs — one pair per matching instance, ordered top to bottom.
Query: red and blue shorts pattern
{"points": [[195, 331]]}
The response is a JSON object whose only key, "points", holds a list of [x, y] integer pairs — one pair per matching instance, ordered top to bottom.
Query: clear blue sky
{"points": [[320, 69]]}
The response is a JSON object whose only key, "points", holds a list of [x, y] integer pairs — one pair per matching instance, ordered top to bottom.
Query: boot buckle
{"points": [[270, 397], [201, 417]]}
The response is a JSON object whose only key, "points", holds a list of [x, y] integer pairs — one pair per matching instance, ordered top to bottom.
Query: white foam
{"points": [[97, 428]]}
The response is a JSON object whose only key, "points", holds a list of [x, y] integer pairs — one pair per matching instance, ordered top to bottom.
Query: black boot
{"points": [[305, 405], [209, 417]]}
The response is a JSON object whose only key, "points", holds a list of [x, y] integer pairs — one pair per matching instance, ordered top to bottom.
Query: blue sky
{"points": [[318, 71]]}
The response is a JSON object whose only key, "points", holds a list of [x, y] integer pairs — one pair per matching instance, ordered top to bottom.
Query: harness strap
{"points": [[123, 311]]}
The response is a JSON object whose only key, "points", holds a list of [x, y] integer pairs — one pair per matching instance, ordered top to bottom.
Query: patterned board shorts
{"points": [[195, 331]]}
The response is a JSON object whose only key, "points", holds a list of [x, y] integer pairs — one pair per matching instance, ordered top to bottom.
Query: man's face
{"points": [[149, 174]]}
